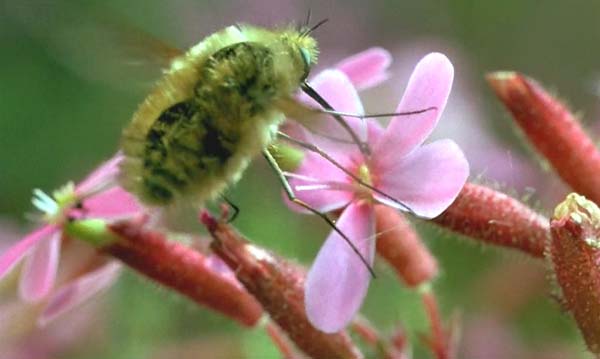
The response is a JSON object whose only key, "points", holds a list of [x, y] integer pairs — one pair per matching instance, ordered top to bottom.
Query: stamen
{"points": [[364, 174], [301, 177], [330, 186], [312, 187], [65, 195], [43, 202], [54, 208]]}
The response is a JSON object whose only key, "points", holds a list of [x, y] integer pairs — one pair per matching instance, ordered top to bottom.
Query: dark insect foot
{"points": [[226, 207]]}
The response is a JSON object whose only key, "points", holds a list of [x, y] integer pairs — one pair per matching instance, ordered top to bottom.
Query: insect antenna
{"points": [[308, 16], [301, 27], [312, 29], [312, 93], [314, 148], [292, 197]]}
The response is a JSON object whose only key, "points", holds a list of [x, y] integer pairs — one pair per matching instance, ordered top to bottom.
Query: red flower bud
{"points": [[552, 129], [493, 217], [402, 247], [575, 256], [183, 269]]}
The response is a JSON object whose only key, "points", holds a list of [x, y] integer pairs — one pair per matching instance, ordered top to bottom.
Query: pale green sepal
{"points": [[289, 158], [93, 231]]}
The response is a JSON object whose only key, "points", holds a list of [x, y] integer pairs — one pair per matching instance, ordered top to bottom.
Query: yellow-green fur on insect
{"points": [[216, 107]]}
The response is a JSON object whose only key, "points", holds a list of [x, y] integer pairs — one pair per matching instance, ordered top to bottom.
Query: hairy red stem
{"points": [[552, 129], [495, 218], [182, 269], [279, 287], [366, 331], [399, 339], [437, 339], [280, 341], [382, 347]]}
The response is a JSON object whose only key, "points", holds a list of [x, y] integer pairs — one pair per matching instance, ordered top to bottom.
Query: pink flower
{"points": [[423, 179], [95, 197]]}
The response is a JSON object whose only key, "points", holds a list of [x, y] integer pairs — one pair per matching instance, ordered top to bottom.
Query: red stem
{"points": [[279, 287], [366, 331], [437, 340], [280, 341], [399, 345]]}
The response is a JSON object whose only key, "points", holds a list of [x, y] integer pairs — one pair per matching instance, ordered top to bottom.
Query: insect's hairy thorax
{"points": [[236, 86]]}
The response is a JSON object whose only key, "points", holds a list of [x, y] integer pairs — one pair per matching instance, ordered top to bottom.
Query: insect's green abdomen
{"points": [[208, 139], [182, 147]]}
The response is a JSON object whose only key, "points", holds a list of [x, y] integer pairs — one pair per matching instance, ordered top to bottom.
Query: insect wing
{"points": [[95, 43]]}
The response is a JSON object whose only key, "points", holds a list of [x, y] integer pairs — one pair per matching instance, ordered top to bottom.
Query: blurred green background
{"points": [[60, 118]]}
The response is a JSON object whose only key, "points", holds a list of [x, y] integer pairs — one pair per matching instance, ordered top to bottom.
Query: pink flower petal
{"points": [[368, 68], [429, 86], [335, 87], [294, 130], [375, 131], [106, 172], [321, 173], [427, 180], [112, 203], [15, 253], [39, 270], [337, 281], [78, 291]]}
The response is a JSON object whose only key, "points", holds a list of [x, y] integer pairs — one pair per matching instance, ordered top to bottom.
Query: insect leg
{"points": [[337, 115], [377, 115], [364, 147], [313, 148], [292, 197], [236, 209]]}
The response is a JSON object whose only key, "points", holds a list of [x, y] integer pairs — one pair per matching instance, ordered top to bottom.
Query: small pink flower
{"points": [[423, 178], [95, 197], [78, 291]]}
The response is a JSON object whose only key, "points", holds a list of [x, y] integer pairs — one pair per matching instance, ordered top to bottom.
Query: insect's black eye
{"points": [[305, 55]]}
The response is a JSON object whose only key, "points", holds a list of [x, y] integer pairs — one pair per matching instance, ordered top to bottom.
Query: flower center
{"points": [[364, 174], [55, 208]]}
